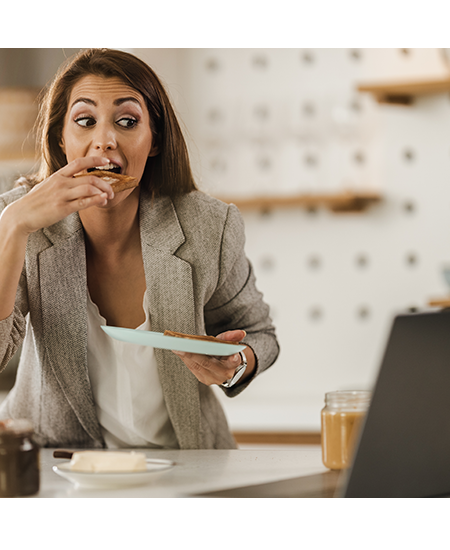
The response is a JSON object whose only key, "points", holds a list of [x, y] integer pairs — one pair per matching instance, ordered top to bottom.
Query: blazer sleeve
{"points": [[237, 303], [12, 329]]}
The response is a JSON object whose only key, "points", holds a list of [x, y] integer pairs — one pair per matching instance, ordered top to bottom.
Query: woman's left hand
{"points": [[216, 370]]}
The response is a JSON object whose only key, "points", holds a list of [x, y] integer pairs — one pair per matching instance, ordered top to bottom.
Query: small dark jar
{"points": [[19, 459]]}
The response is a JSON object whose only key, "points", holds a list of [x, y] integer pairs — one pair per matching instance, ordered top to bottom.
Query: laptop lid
{"points": [[404, 447]]}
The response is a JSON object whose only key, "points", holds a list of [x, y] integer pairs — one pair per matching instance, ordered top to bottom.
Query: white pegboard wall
{"points": [[286, 121], [282, 128]]}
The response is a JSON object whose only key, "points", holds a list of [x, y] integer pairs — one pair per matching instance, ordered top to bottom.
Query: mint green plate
{"points": [[158, 340]]}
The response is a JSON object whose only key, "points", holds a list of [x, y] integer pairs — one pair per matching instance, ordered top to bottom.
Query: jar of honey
{"points": [[341, 421], [19, 459]]}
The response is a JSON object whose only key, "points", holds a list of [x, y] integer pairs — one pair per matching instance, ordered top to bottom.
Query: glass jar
{"points": [[341, 420], [19, 459]]}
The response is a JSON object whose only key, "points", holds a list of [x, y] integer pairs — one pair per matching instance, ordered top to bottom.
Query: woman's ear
{"points": [[61, 144]]}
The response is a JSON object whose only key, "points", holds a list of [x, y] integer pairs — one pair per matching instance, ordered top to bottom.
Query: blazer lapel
{"points": [[62, 269], [171, 297]]}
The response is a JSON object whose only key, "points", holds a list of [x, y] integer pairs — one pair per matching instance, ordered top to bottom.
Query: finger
{"points": [[80, 164], [90, 184], [86, 202], [232, 335], [229, 359], [210, 362], [210, 370]]}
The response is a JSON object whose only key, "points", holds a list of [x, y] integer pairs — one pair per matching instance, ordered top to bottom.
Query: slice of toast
{"points": [[119, 182], [199, 337]]}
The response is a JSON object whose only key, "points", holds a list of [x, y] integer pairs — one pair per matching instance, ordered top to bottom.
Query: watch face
{"points": [[237, 373]]}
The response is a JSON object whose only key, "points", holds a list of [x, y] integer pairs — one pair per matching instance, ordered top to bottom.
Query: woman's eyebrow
{"points": [[125, 99], [83, 100], [116, 102]]}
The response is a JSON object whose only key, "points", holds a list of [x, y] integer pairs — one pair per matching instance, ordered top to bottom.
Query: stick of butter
{"points": [[106, 461]]}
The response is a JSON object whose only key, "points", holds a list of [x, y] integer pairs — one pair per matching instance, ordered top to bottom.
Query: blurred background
{"points": [[287, 135]]}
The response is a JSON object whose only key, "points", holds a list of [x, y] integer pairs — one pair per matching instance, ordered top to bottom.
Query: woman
{"points": [[160, 256]]}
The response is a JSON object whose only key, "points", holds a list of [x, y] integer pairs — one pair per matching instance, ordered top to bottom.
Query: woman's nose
{"points": [[104, 138]]}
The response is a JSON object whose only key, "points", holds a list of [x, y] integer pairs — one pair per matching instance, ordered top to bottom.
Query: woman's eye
{"points": [[85, 121], [127, 122]]}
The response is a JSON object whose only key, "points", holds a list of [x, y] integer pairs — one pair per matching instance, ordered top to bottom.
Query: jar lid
{"points": [[348, 398], [15, 427]]}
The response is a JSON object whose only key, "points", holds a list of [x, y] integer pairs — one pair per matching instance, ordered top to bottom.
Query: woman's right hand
{"points": [[60, 195]]}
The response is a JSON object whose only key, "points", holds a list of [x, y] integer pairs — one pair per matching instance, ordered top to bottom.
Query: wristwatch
{"points": [[238, 373]]}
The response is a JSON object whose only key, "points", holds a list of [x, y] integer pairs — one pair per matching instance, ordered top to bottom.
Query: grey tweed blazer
{"points": [[198, 281]]}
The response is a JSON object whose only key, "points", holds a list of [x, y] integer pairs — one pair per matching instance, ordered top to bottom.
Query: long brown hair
{"points": [[169, 172]]}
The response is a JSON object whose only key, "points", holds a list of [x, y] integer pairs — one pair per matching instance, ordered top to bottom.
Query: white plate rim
{"points": [[203, 347], [113, 479]]}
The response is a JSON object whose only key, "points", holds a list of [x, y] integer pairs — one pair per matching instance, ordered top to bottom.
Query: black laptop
{"points": [[404, 447]]}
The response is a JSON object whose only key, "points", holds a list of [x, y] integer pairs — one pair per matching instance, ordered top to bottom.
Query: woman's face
{"points": [[107, 118]]}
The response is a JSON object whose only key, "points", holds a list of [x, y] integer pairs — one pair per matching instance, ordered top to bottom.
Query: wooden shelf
{"points": [[403, 92], [343, 202], [440, 302], [277, 438]]}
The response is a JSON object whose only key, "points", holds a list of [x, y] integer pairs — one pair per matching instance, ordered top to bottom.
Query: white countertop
{"points": [[195, 471]]}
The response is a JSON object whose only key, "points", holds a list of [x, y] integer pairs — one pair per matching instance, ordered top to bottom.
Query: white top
{"points": [[127, 391]]}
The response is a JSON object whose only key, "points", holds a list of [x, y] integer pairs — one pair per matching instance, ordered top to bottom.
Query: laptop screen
{"points": [[404, 447]]}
